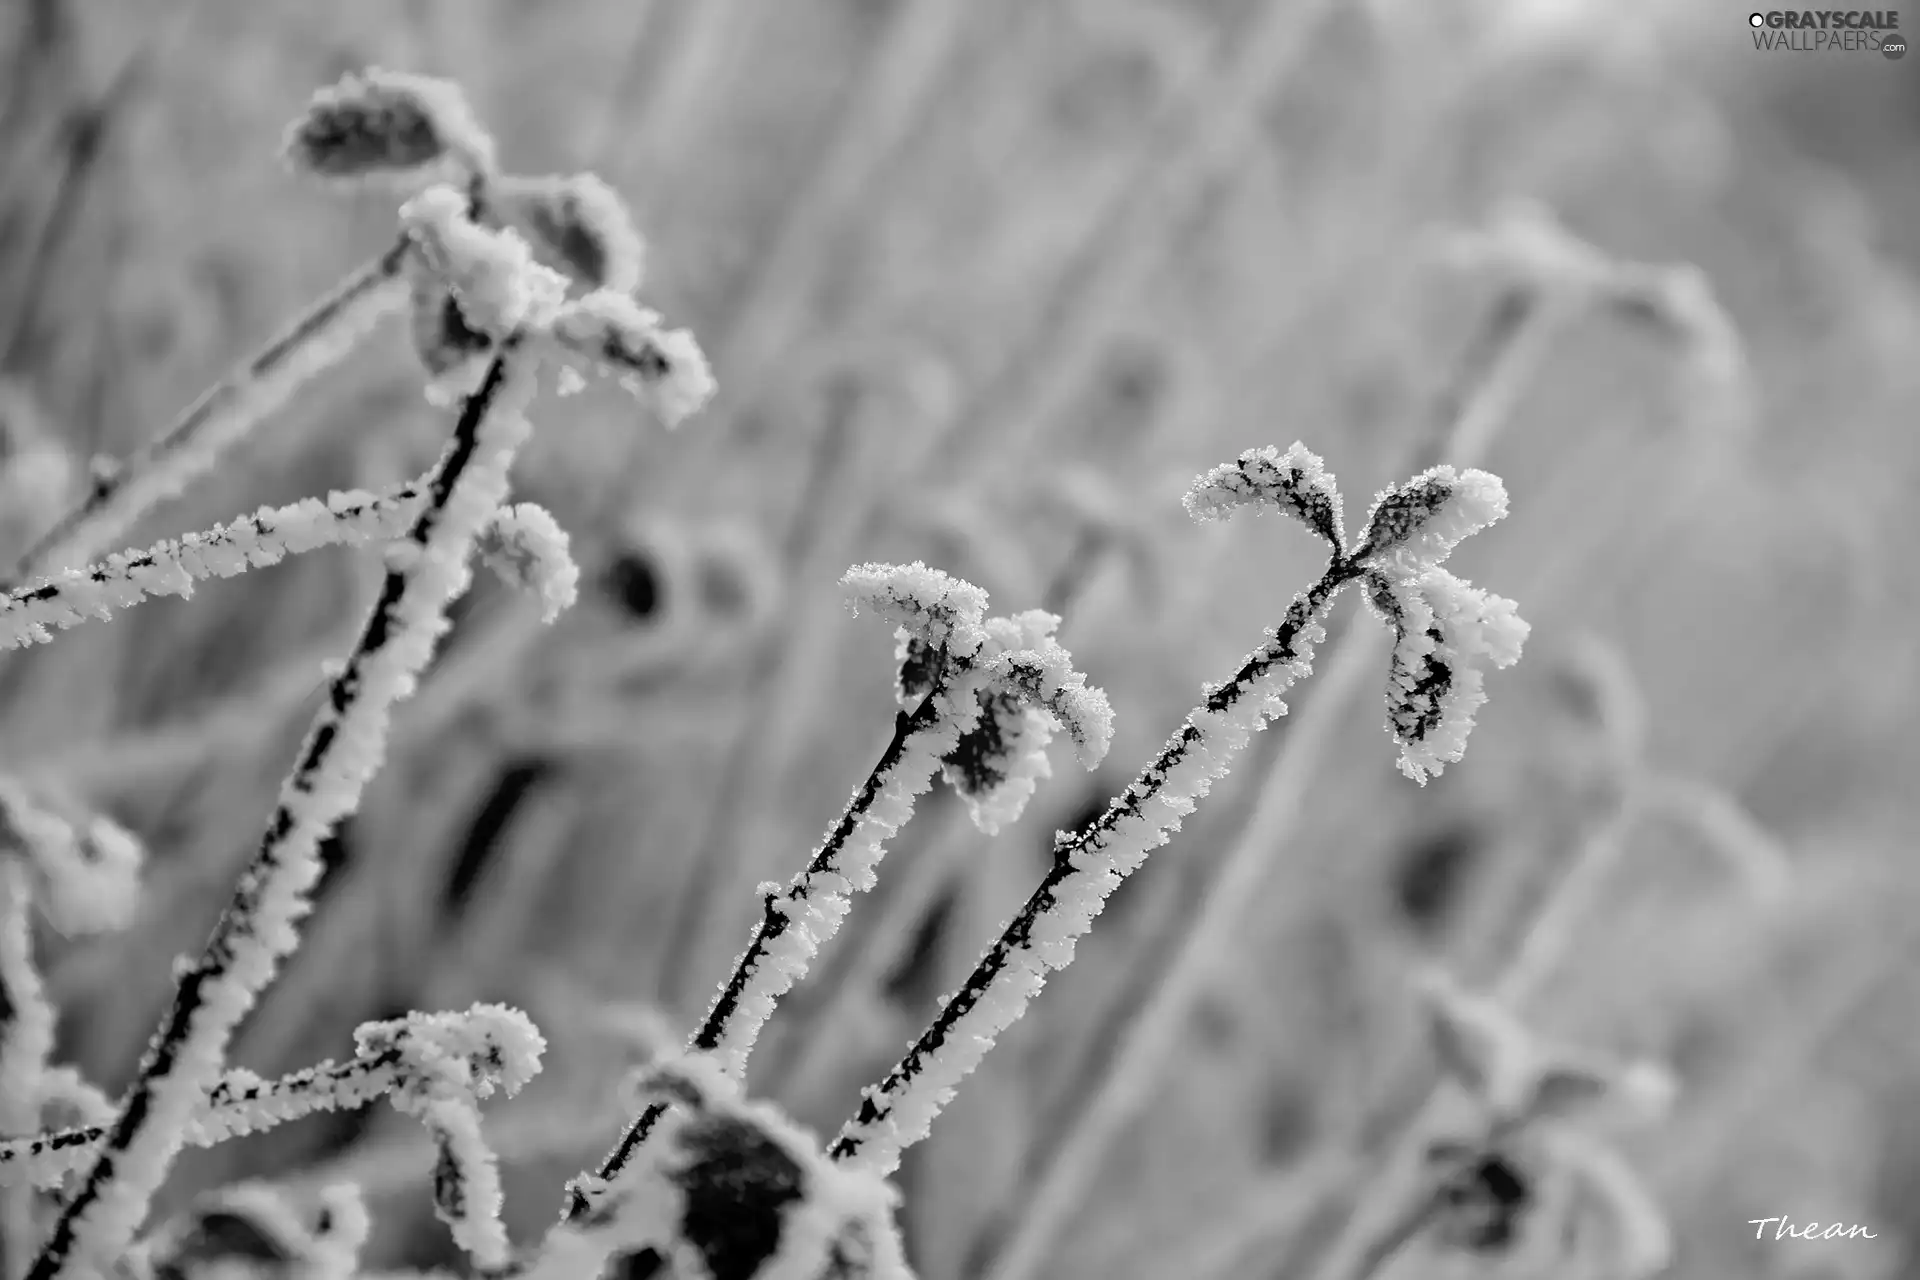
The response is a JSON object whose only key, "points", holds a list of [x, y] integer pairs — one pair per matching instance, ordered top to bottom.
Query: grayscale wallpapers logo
{"points": [[1829, 31]]}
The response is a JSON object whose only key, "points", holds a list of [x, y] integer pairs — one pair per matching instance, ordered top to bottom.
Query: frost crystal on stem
{"points": [[485, 314], [315, 342], [1440, 508], [169, 568], [959, 672], [342, 750], [486, 1048]]}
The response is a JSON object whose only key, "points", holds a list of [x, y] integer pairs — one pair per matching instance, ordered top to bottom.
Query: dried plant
{"points": [[511, 281]]}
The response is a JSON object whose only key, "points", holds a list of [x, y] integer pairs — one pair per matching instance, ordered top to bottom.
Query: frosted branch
{"points": [[223, 415], [29, 615], [988, 693], [342, 750], [1089, 865], [484, 1049], [466, 1182]]}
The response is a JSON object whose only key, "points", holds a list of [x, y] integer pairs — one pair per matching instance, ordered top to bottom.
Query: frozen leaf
{"points": [[387, 122], [581, 222], [491, 274], [664, 368], [1296, 482], [1416, 525], [527, 547]]}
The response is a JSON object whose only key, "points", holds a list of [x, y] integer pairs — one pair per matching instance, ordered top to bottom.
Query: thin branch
{"points": [[1512, 341], [223, 415], [170, 567], [344, 747], [1086, 869], [816, 900]]}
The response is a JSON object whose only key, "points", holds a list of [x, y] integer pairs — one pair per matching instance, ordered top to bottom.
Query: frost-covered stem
{"points": [[1494, 373], [223, 415], [171, 567], [343, 748], [1088, 866], [918, 883], [808, 912], [799, 918], [26, 1042], [1127, 1075], [238, 1105], [466, 1183]]}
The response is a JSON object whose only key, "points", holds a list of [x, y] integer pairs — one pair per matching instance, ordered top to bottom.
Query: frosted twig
{"points": [[372, 121], [223, 415], [1412, 528], [520, 542], [170, 567], [958, 673], [342, 750], [1086, 869], [797, 919], [857, 971], [492, 1047], [1123, 1079], [466, 1182]]}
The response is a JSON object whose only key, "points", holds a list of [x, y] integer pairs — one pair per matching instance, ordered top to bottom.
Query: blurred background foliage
{"points": [[986, 284]]}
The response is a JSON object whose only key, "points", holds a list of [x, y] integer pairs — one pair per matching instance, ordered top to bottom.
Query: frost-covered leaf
{"points": [[376, 122], [581, 222], [492, 274], [614, 335], [1295, 482], [1416, 525], [527, 547], [933, 607], [1443, 628]]}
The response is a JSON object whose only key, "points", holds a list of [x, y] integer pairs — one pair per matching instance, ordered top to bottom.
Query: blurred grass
{"points": [[1127, 239]]}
